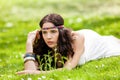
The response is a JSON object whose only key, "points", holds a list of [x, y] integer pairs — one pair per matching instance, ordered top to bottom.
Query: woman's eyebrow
{"points": [[48, 28]]}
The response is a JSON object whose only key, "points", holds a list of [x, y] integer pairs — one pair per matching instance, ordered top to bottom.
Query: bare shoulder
{"points": [[76, 35], [78, 40]]}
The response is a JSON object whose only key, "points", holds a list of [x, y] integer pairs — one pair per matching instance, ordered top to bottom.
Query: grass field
{"points": [[18, 17]]}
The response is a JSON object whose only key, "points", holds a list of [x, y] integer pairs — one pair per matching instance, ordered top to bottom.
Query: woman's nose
{"points": [[49, 36]]}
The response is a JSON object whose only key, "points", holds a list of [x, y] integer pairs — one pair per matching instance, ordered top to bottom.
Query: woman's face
{"points": [[50, 34]]}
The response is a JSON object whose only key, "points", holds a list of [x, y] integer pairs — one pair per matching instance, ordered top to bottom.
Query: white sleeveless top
{"points": [[97, 46]]}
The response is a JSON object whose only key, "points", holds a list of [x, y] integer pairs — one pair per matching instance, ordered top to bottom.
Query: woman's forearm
{"points": [[29, 47], [30, 65]]}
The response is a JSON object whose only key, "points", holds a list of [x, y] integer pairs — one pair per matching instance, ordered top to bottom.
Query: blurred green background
{"points": [[18, 17]]}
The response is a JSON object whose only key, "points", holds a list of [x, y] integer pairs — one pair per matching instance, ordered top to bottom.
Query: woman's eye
{"points": [[53, 31], [44, 32]]}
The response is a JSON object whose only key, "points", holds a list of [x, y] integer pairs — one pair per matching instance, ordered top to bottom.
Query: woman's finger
{"points": [[21, 72]]}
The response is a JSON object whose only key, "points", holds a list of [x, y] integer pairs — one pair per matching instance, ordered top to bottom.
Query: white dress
{"points": [[97, 46]]}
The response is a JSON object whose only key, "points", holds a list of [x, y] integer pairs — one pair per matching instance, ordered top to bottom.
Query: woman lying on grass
{"points": [[54, 46]]}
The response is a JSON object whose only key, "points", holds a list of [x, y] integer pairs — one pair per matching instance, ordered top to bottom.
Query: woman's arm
{"points": [[78, 46], [30, 65], [36, 71]]}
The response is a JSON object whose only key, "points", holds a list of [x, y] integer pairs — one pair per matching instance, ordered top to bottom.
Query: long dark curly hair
{"points": [[64, 44]]}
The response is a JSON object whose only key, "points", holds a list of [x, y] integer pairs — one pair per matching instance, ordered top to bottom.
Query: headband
{"points": [[59, 27]]}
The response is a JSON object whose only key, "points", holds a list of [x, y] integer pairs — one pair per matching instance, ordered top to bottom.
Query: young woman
{"points": [[78, 46]]}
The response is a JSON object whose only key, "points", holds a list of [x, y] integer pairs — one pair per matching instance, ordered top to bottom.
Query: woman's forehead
{"points": [[48, 25]]}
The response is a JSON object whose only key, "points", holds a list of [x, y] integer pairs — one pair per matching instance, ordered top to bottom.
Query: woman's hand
{"points": [[32, 36], [28, 72]]}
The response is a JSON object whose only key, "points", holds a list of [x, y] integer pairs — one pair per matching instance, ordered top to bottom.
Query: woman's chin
{"points": [[51, 46]]}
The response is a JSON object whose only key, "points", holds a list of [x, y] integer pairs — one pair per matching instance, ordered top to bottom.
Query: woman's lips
{"points": [[50, 42]]}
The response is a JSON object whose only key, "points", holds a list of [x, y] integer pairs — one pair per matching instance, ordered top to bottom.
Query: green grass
{"points": [[19, 17]]}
